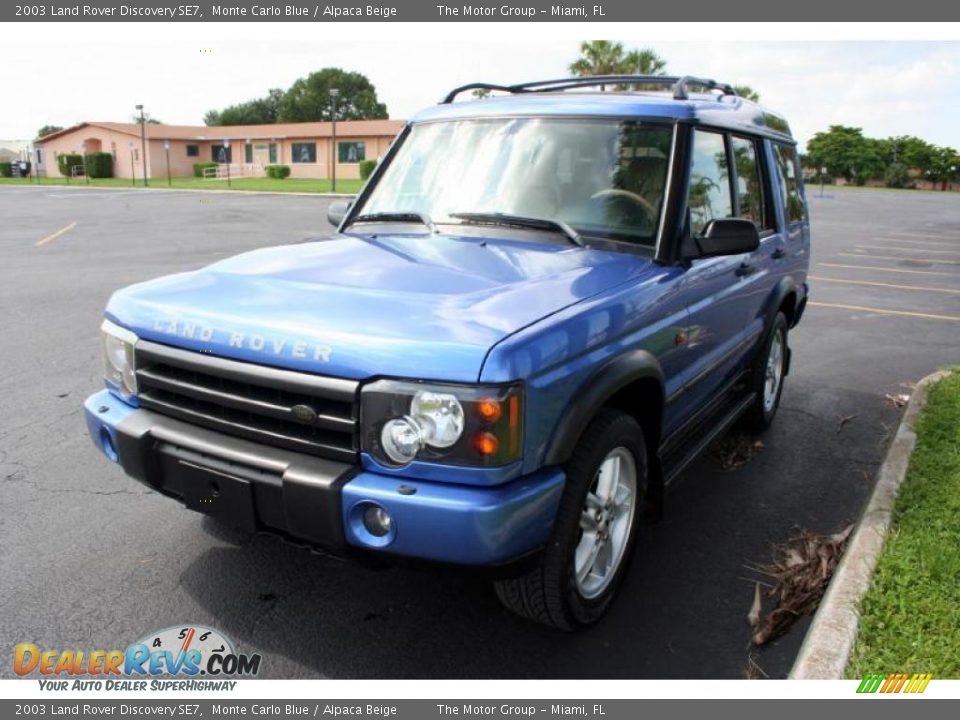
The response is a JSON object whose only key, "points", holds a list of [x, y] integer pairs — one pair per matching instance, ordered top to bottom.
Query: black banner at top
{"points": [[481, 11]]}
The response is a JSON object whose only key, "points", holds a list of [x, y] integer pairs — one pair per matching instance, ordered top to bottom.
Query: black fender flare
{"points": [[785, 287], [603, 384]]}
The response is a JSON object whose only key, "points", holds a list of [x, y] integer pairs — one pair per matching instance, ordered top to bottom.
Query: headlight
{"points": [[118, 366], [454, 424]]}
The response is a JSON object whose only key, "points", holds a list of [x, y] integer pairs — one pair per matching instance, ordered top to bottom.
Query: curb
{"points": [[163, 188], [826, 648]]}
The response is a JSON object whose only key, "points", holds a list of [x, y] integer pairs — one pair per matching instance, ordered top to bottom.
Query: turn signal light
{"points": [[489, 410], [486, 443]]}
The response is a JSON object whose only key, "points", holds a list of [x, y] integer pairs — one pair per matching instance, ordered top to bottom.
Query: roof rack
{"points": [[678, 84]]}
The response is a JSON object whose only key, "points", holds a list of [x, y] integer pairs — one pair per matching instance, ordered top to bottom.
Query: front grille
{"points": [[250, 401]]}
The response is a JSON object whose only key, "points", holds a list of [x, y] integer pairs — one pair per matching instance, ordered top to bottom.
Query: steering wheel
{"points": [[648, 208]]}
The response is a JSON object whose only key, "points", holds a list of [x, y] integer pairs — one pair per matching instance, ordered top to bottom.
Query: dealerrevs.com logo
{"points": [[188, 652]]}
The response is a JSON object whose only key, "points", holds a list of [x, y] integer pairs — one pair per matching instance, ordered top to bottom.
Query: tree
{"points": [[603, 57], [481, 93], [747, 93], [309, 99], [262, 111], [147, 118], [48, 130], [846, 153], [944, 166]]}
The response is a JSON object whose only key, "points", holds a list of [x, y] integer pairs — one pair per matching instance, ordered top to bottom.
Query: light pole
{"points": [[334, 93], [143, 143], [166, 149], [226, 150], [83, 154], [133, 173]]}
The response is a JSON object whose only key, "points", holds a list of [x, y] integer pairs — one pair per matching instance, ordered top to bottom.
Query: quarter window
{"points": [[304, 152], [789, 181], [749, 182], [710, 197]]}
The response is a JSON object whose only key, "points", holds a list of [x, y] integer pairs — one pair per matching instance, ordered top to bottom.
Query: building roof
{"points": [[709, 109], [277, 131]]}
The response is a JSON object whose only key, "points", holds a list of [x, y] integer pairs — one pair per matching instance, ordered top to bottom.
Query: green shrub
{"points": [[67, 161], [99, 165], [199, 167], [366, 168], [6, 169], [278, 172], [896, 176]]}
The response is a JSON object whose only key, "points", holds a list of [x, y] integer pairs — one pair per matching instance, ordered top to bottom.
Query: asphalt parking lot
{"points": [[92, 560]]}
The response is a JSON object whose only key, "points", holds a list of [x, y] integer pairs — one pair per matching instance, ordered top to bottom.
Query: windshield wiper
{"points": [[398, 216], [495, 218]]}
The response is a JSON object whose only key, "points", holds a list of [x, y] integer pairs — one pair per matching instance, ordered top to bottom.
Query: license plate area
{"points": [[225, 497]]}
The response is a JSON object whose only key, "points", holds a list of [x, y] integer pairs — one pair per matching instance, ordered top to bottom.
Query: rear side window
{"points": [[789, 181], [750, 193], [710, 197]]}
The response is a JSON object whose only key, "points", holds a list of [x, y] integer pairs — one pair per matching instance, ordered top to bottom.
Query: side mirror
{"points": [[337, 211], [728, 236]]}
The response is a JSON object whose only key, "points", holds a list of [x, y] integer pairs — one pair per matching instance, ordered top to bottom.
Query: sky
{"points": [[65, 73]]}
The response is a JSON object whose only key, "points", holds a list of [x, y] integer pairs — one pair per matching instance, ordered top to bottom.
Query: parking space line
{"points": [[54, 236], [938, 236], [903, 241], [913, 250], [871, 256], [887, 269], [872, 283], [884, 311]]}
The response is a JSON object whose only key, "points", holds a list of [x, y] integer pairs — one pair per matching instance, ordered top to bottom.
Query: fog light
{"points": [[402, 439], [377, 521]]}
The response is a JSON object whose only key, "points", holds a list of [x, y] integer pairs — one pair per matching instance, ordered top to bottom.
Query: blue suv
{"points": [[540, 308]]}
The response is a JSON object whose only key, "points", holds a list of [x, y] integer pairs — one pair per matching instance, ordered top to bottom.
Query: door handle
{"points": [[778, 253], [745, 269]]}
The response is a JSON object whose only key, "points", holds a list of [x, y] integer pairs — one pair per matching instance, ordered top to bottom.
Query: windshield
{"points": [[602, 178]]}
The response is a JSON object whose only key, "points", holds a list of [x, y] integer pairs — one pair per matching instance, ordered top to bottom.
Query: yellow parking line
{"points": [[54, 236], [938, 236], [903, 241], [919, 250], [871, 256], [886, 269], [950, 291], [884, 311]]}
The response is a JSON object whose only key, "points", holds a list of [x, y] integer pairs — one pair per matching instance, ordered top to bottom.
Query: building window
{"points": [[113, 150], [193, 151], [351, 152], [248, 153], [273, 153], [304, 153], [221, 154], [39, 157]]}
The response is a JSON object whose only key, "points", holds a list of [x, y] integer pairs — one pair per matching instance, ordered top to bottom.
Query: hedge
{"points": [[66, 161], [99, 165], [199, 167], [366, 168], [6, 169], [278, 172]]}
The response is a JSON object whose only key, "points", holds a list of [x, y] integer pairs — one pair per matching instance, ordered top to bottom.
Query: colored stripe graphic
{"points": [[894, 683]]}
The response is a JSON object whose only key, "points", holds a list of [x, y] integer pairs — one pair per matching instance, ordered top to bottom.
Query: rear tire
{"points": [[768, 376], [580, 570]]}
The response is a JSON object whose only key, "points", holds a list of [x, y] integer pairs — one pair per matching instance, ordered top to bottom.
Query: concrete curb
{"points": [[164, 188], [826, 649]]}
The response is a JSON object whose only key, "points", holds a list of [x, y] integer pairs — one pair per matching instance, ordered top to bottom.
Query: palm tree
{"points": [[604, 57], [747, 93]]}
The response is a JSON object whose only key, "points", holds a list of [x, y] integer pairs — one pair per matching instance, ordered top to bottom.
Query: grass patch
{"points": [[240, 184], [910, 617]]}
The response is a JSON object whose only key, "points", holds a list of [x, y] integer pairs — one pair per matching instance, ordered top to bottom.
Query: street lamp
{"points": [[334, 94], [143, 142], [166, 149], [226, 150], [83, 154], [133, 173]]}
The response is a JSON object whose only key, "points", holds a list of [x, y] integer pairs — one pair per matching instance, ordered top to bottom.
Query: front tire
{"points": [[581, 568]]}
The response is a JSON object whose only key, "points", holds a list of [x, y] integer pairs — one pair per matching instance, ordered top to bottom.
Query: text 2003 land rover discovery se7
{"points": [[539, 309]]}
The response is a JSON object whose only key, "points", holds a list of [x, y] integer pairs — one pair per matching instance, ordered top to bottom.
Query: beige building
{"points": [[306, 147]]}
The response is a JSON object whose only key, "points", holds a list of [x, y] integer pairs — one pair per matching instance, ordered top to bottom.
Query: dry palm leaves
{"points": [[735, 451], [802, 570]]}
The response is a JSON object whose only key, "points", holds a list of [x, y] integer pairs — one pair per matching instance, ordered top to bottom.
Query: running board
{"points": [[678, 459]]}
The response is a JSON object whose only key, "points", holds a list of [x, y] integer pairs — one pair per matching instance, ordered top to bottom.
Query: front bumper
{"points": [[320, 502]]}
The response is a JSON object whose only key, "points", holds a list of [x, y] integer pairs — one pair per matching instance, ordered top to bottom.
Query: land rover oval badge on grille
{"points": [[304, 413]]}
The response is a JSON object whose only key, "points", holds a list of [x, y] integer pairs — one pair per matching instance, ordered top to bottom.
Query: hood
{"points": [[422, 306]]}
